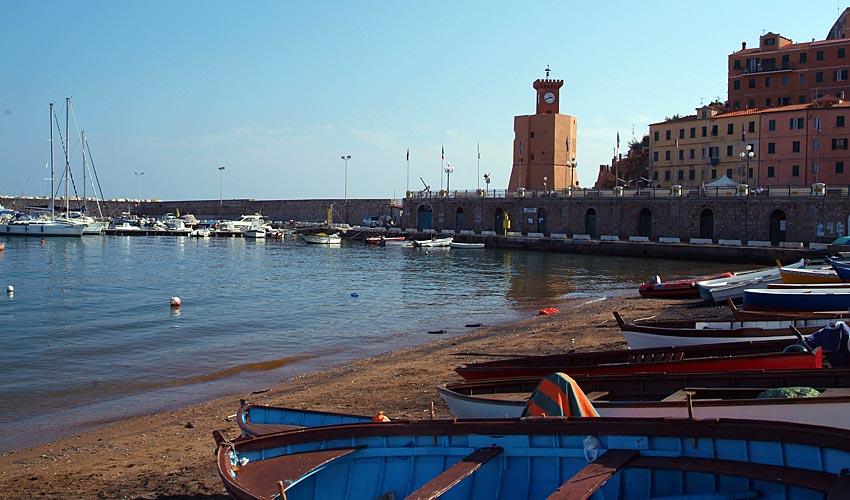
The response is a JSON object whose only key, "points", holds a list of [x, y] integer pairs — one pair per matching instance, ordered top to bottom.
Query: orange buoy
{"points": [[175, 301], [548, 311], [380, 417]]}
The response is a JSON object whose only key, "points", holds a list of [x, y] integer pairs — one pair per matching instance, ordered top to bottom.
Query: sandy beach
{"points": [[169, 456]]}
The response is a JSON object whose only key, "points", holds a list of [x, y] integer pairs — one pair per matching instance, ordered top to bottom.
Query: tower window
{"points": [[531, 134]]}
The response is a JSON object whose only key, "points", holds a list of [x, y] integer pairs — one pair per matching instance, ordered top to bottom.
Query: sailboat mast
{"points": [[83, 149], [67, 160], [52, 169]]}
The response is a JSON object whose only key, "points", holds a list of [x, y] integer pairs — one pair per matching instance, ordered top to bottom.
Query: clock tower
{"points": [[544, 143]]}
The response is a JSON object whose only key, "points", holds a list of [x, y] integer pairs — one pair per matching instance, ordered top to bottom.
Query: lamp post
{"points": [[746, 156], [345, 158], [449, 171], [139, 179], [487, 182], [544, 183], [220, 188]]}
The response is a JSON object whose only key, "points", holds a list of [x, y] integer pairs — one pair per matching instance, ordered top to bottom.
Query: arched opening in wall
{"points": [[424, 217], [460, 219], [499, 222], [590, 222], [645, 223], [542, 224], [706, 224], [777, 227]]}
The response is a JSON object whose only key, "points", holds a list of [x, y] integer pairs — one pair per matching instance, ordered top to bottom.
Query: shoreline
{"points": [[169, 454]]}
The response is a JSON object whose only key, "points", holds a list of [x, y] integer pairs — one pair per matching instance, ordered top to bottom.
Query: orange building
{"points": [[780, 72], [544, 143]]}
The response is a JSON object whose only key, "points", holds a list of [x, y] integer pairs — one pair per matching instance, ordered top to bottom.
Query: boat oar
{"points": [[801, 338]]}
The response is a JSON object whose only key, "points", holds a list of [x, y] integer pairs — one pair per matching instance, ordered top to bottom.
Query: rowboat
{"points": [[323, 238], [383, 240], [439, 242], [466, 246], [842, 269], [807, 275], [733, 287], [677, 289], [802, 299], [741, 314], [659, 334], [762, 355], [743, 394], [254, 420], [540, 457]]}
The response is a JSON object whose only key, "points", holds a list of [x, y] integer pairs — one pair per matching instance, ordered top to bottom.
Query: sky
{"points": [[278, 91]]}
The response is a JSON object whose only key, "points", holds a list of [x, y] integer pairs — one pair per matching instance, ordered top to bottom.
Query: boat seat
{"points": [[655, 357], [596, 395], [680, 395], [455, 474], [255, 477], [586, 481]]}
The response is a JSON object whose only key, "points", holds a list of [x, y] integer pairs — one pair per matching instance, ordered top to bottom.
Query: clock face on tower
{"points": [[549, 97]]}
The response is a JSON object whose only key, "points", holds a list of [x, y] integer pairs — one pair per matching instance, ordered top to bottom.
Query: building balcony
{"points": [[767, 68]]}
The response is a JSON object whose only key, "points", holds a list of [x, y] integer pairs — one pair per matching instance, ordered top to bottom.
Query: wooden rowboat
{"points": [[383, 240], [435, 243], [677, 289], [797, 299], [741, 314], [659, 334], [763, 355], [703, 395], [254, 420], [535, 458]]}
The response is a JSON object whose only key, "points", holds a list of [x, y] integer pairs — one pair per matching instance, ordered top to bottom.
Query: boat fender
{"points": [[355, 294], [380, 417], [591, 448]]}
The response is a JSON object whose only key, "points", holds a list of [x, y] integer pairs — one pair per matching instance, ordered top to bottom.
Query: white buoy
{"points": [[10, 289], [175, 301]]}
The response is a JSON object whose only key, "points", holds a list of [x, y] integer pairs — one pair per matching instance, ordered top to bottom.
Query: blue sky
{"points": [[277, 91]]}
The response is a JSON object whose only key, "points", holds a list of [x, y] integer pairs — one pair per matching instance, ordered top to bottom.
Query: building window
{"points": [[769, 41], [841, 53], [819, 55], [804, 57], [736, 64], [840, 75], [819, 77], [802, 78], [786, 80], [767, 81], [751, 83], [736, 84], [801, 99], [784, 101], [768, 102], [751, 103], [736, 105], [839, 121], [797, 123], [771, 125], [751, 127], [730, 129], [714, 130], [704, 131], [693, 132], [681, 133], [531, 134], [667, 135], [655, 136], [839, 144], [795, 147], [771, 148], [729, 150], [714, 152], [681, 154], [692, 154], [667, 155], [655, 156], [839, 167], [795, 170], [771, 171], [714, 173], [729, 173], [655, 175], [666, 175], [680, 175], [692, 175]]}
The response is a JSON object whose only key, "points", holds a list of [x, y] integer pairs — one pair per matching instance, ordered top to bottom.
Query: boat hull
{"points": [[41, 229], [779, 299]]}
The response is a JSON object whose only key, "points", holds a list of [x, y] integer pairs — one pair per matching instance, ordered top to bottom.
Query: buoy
{"points": [[42, 242], [10, 289], [355, 294], [175, 301], [548, 311], [380, 417]]}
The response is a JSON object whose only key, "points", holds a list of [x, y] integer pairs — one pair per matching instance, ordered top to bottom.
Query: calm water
{"points": [[88, 336]]}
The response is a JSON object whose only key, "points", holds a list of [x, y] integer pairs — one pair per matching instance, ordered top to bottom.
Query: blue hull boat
{"points": [[797, 299], [254, 420], [539, 458]]}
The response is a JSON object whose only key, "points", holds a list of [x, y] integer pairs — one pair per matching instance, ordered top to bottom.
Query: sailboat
{"points": [[21, 224]]}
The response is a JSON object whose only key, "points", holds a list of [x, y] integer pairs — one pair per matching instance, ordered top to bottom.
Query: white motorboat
{"points": [[257, 233], [323, 238], [438, 242], [458, 244], [720, 289]]}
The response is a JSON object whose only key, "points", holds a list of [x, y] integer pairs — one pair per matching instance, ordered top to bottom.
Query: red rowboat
{"points": [[678, 289], [756, 355]]}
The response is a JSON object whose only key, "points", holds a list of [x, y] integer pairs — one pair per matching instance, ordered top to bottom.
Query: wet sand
{"points": [[169, 456]]}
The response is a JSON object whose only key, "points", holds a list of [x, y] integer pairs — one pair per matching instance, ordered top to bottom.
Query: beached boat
{"points": [[323, 238], [438, 242], [2, 246], [467, 246], [841, 268], [809, 275], [677, 289], [719, 290], [797, 299], [741, 314], [657, 334], [762, 355], [742, 394], [254, 420], [540, 457]]}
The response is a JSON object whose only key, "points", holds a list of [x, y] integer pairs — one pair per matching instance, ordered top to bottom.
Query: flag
{"points": [[817, 123], [743, 134], [618, 139], [520, 149], [443, 151], [408, 155]]}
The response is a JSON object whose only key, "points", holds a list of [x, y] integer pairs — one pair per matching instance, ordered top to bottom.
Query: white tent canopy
{"points": [[722, 182]]}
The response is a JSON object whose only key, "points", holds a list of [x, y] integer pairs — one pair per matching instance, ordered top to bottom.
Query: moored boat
{"points": [[323, 238], [383, 240], [437, 242], [466, 246], [841, 268], [806, 275], [676, 289], [721, 289], [797, 299], [762, 355], [819, 396], [540, 457]]}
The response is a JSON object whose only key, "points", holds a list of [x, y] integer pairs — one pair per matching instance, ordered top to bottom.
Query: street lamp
{"points": [[746, 155], [345, 158], [449, 171], [139, 178], [487, 181], [220, 188]]}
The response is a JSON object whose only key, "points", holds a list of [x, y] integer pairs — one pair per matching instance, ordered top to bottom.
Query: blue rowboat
{"points": [[842, 269], [797, 299], [254, 420], [537, 458]]}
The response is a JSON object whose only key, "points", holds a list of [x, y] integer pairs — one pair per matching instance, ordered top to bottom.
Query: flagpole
{"points": [[442, 157], [478, 168], [408, 171]]}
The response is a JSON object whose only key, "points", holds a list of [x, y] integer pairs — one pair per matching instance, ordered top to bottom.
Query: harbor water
{"points": [[89, 336]]}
